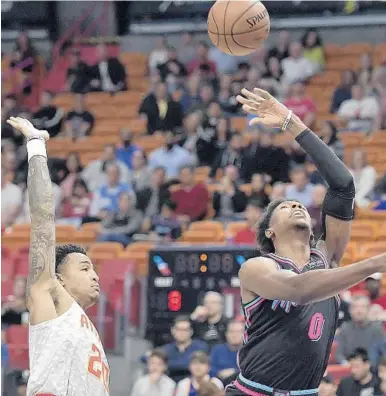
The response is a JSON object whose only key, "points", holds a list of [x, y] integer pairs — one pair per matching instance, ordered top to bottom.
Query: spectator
{"points": [[282, 46], [313, 49], [187, 50], [159, 55], [24, 56], [258, 59], [202, 60], [225, 63], [296, 67], [172, 71], [365, 71], [77, 74], [108, 74], [272, 77], [343, 91], [189, 97], [205, 98], [301, 105], [9, 109], [360, 111], [161, 112], [49, 116], [79, 121], [380, 121], [193, 133], [223, 134], [329, 134], [126, 149], [232, 155], [171, 156], [264, 157], [73, 169], [141, 172], [94, 173], [365, 177], [300, 188], [278, 191], [258, 193], [106, 198], [191, 198], [11, 199], [150, 199], [229, 201], [77, 205], [315, 209], [120, 225], [166, 226], [247, 236], [373, 286], [13, 309], [209, 320], [359, 332], [180, 351], [4, 352], [224, 356], [377, 356], [199, 367], [21, 381], [361, 381], [156, 382], [327, 386]]}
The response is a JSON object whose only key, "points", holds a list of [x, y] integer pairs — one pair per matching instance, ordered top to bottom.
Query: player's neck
{"points": [[296, 249]]}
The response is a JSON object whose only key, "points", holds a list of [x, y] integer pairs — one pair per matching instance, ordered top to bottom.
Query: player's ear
{"points": [[268, 233], [60, 279]]}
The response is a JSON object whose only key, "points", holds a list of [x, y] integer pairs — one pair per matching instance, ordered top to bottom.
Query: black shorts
{"points": [[232, 390]]}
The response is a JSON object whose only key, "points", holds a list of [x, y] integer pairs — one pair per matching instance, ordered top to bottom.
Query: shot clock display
{"points": [[180, 276]]}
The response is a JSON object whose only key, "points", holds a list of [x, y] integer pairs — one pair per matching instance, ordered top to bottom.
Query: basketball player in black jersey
{"points": [[289, 294]]}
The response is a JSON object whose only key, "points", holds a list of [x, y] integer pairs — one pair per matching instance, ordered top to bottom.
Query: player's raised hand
{"points": [[267, 110], [27, 129]]}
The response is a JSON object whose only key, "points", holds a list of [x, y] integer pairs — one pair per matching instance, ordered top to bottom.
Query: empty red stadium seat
{"points": [[17, 340]]}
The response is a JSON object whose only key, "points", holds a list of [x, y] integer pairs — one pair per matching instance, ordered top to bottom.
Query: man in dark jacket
{"points": [[108, 74]]}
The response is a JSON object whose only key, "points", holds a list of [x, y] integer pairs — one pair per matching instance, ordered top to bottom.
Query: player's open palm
{"points": [[267, 110], [27, 129]]}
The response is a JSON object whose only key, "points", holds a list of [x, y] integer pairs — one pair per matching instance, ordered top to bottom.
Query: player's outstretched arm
{"points": [[338, 205], [262, 277], [41, 281]]}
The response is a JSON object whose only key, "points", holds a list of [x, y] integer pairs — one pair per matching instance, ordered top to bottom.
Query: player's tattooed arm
{"points": [[42, 245]]}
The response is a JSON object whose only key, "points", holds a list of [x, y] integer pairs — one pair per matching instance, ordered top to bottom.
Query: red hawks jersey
{"points": [[67, 357]]}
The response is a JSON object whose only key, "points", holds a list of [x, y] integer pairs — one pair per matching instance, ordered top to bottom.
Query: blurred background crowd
{"points": [[151, 147]]}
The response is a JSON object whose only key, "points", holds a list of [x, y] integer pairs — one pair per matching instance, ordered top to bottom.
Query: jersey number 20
{"points": [[315, 328], [97, 367]]}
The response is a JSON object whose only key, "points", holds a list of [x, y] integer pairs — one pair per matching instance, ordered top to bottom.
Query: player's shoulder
{"points": [[254, 264]]}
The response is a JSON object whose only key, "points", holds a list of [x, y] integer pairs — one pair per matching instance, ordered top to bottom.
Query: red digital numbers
{"points": [[174, 300]]}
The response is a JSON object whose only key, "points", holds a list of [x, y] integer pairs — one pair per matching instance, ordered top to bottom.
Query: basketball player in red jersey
{"points": [[66, 355]]}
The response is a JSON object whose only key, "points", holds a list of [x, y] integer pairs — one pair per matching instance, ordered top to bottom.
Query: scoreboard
{"points": [[179, 277]]}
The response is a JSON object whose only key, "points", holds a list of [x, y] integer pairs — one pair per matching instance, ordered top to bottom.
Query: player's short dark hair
{"points": [[265, 244], [62, 251], [181, 318], [359, 353], [160, 354], [200, 357]]}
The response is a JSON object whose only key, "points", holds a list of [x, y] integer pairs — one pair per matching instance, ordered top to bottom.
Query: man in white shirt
{"points": [[296, 67], [360, 111], [172, 157], [11, 200], [156, 382]]}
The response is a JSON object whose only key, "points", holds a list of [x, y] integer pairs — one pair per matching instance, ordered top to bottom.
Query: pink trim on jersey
{"points": [[249, 309], [246, 390]]}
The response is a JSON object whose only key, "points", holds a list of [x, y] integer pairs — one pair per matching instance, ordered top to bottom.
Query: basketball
{"points": [[238, 27]]}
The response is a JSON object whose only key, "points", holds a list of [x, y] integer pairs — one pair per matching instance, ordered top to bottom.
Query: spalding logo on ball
{"points": [[238, 27]]}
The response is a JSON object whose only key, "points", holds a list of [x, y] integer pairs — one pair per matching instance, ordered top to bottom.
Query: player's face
{"points": [[290, 214], [79, 278], [156, 365], [359, 368], [198, 369], [326, 389]]}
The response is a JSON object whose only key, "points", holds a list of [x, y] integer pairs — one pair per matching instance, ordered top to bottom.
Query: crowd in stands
{"points": [[205, 169]]}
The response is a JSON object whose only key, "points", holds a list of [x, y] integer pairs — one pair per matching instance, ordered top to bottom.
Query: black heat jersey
{"points": [[288, 346]]}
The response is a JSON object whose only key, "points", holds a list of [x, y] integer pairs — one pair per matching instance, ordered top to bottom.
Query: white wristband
{"points": [[287, 121], [36, 147]]}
